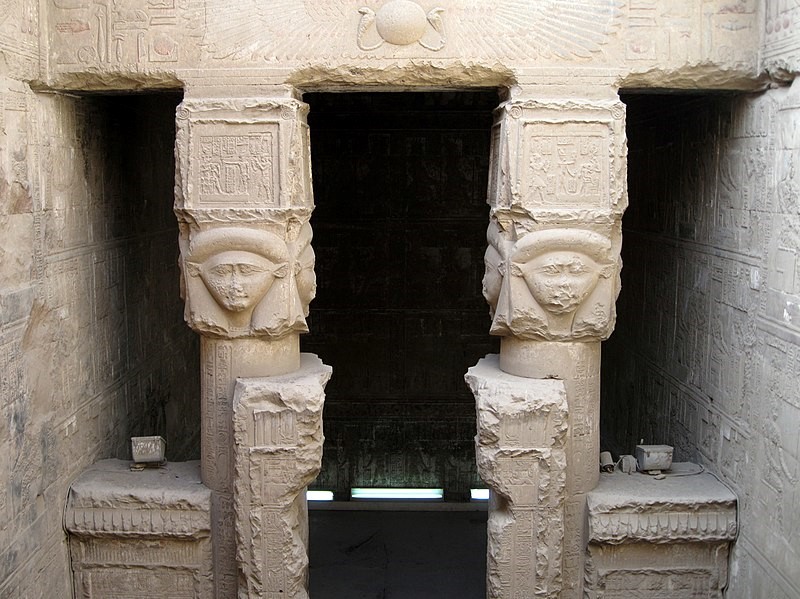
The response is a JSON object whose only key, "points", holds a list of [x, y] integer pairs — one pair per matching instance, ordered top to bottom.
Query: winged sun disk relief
{"points": [[400, 22], [523, 29]]}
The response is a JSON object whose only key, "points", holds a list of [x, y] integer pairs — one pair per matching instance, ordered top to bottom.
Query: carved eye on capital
{"points": [[247, 282], [553, 284]]}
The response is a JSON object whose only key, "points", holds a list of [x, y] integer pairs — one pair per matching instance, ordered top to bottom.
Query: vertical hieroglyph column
{"points": [[557, 193], [243, 199], [522, 429], [278, 434]]}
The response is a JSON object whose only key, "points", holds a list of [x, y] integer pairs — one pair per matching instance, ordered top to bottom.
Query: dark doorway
{"points": [[400, 185]]}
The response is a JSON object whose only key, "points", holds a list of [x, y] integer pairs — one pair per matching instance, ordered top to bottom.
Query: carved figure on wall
{"points": [[245, 282], [552, 284]]}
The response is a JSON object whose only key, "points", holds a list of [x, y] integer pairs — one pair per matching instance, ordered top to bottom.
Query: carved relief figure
{"points": [[400, 22], [245, 282], [551, 284]]}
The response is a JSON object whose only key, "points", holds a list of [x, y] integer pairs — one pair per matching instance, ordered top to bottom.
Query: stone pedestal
{"points": [[278, 432], [520, 449], [140, 534], [659, 539]]}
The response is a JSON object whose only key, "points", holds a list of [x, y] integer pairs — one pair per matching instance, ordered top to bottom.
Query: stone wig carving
{"points": [[246, 282], [554, 284]]}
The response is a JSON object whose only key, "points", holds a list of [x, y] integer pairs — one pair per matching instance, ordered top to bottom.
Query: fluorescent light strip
{"points": [[398, 494], [479, 494], [319, 495]]}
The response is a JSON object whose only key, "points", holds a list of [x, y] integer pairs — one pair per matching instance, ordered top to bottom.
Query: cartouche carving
{"points": [[401, 23], [247, 282], [552, 284]]}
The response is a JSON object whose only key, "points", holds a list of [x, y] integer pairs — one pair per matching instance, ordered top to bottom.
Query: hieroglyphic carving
{"points": [[118, 33], [782, 46], [244, 155], [554, 157], [567, 165], [240, 167], [249, 282], [551, 284], [522, 426], [278, 434], [135, 534]]}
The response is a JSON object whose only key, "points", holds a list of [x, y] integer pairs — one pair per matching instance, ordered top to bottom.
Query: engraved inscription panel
{"points": [[235, 164], [565, 165]]}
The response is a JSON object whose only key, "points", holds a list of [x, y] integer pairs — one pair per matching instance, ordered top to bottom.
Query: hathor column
{"points": [[557, 193], [243, 201]]}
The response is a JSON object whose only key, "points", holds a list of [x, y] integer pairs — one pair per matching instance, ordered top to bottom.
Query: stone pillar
{"points": [[557, 193], [243, 201], [522, 430], [278, 434]]}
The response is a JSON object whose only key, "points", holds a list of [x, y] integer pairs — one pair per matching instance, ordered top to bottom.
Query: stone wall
{"points": [[399, 232], [93, 347], [706, 356]]}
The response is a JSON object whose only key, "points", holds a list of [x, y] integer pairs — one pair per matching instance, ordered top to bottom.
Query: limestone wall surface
{"points": [[321, 43], [93, 347], [706, 355]]}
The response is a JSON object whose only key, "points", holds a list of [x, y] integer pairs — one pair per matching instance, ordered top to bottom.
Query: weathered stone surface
{"points": [[781, 38], [402, 42], [243, 196], [706, 359], [522, 428], [278, 443], [681, 507], [140, 533], [659, 538]]}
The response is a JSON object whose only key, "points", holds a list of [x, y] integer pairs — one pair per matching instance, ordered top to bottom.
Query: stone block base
{"points": [[140, 534], [659, 539]]}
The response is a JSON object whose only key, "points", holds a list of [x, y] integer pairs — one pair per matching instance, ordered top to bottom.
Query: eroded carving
{"points": [[400, 23], [249, 282], [553, 284], [278, 433], [520, 451]]}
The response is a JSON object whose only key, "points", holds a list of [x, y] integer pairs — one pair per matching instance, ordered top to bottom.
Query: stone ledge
{"points": [[108, 499], [638, 508]]}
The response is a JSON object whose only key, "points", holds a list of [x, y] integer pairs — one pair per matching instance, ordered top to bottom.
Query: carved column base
{"points": [[223, 361], [578, 365], [278, 445], [520, 448]]}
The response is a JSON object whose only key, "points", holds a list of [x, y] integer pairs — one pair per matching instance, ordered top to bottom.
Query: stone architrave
{"points": [[243, 200], [278, 443], [520, 449], [140, 534]]}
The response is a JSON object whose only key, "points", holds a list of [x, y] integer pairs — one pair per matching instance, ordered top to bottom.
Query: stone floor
{"points": [[398, 554]]}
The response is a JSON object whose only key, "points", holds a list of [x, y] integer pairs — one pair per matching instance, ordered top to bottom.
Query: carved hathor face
{"points": [[237, 266], [562, 267], [237, 279], [560, 281]]}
